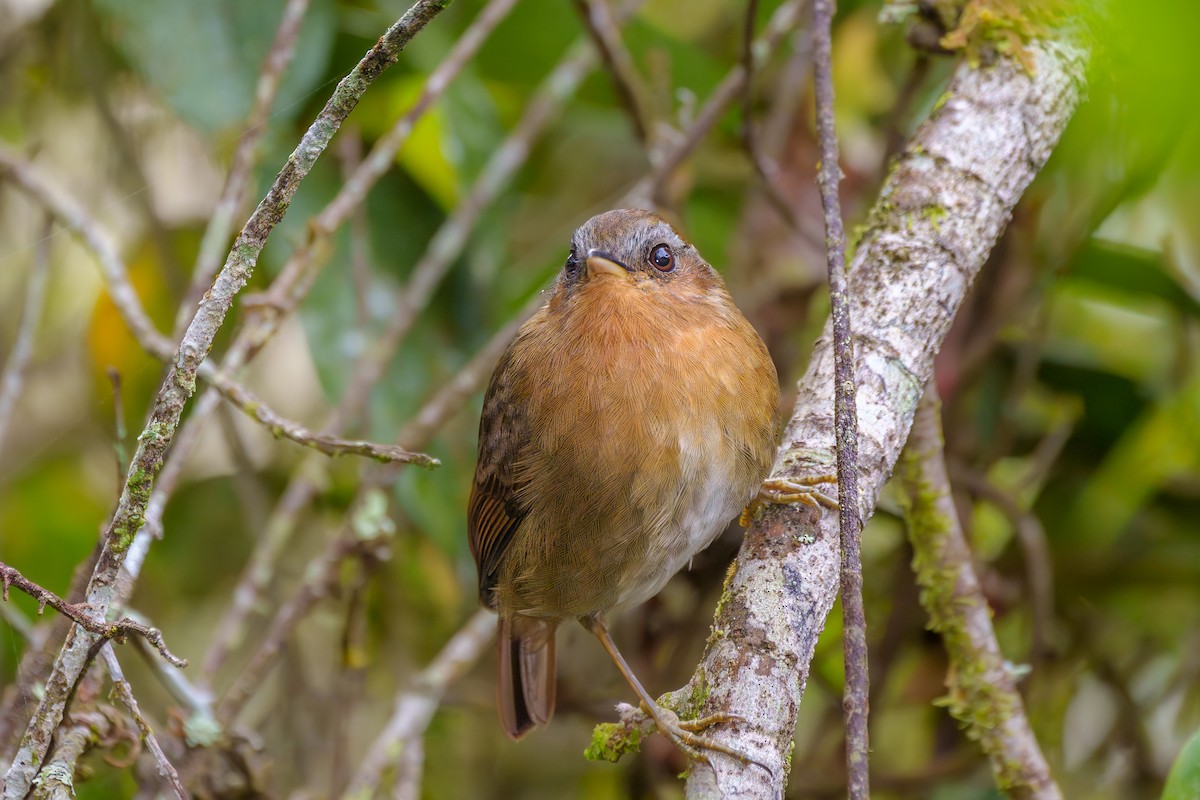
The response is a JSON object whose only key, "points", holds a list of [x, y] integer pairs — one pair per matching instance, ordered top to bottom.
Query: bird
{"points": [[629, 420]]}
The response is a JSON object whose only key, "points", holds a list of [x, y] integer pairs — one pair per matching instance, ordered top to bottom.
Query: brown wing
{"points": [[494, 513]]}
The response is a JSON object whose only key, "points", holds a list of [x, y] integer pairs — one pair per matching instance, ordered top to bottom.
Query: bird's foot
{"points": [[785, 491], [684, 735]]}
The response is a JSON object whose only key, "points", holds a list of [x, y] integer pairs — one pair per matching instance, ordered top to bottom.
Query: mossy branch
{"points": [[981, 691]]}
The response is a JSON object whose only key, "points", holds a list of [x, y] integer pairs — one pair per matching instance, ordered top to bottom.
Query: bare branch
{"points": [[630, 88], [768, 170], [648, 192], [941, 211], [220, 225], [13, 379], [180, 384], [322, 576], [854, 623], [105, 630], [980, 684], [121, 687], [415, 707]]}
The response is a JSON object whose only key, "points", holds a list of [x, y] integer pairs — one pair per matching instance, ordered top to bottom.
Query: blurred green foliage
{"points": [[1072, 382]]}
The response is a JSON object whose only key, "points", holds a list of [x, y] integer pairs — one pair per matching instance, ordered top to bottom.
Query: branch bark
{"points": [[940, 212], [845, 417], [79, 615]]}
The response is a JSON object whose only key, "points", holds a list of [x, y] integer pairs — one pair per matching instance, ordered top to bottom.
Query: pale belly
{"points": [[694, 527], [585, 555]]}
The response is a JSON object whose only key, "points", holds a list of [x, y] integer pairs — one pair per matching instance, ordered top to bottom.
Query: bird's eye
{"points": [[662, 258], [572, 265]]}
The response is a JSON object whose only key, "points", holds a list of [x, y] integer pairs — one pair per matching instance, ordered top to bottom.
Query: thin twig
{"points": [[630, 88], [767, 169], [648, 192], [215, 242], [13, 379], [468, 379], [180, 384], [119, 432], [321, 442], [1031, 537], [323, 575], [854, 626], [105, 630], [981, 687], [125, 693], [196, 700], [414, 707]]}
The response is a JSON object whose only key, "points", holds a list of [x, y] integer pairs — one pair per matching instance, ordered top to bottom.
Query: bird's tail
{"points": [[525, 688]]}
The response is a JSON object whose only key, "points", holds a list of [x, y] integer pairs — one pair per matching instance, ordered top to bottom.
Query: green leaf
{"points": [[205, 57], [1184, 781]]}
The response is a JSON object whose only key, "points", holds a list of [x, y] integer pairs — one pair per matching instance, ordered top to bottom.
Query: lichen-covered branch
{"points": [[940, 212], [180, 384], [80, 615], [981, 691]]}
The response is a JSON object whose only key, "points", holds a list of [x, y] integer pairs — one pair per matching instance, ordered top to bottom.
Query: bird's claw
{"points": [[786, 491], [683, 734]]}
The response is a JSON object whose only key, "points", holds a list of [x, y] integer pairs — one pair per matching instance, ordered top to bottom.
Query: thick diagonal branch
{"points": [[941, 210]]}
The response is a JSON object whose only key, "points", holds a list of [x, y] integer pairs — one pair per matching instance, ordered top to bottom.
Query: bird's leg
{"points": [[789, 490], [682, 733]]}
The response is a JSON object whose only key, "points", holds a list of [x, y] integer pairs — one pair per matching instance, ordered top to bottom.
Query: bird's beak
{"points": [[602, 263]]}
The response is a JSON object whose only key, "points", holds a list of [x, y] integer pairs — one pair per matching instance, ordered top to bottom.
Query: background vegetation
{"points": [[1071, 381]]}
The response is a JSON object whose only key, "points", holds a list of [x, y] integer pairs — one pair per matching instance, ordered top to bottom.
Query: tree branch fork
{"points": [[80, 614]]}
